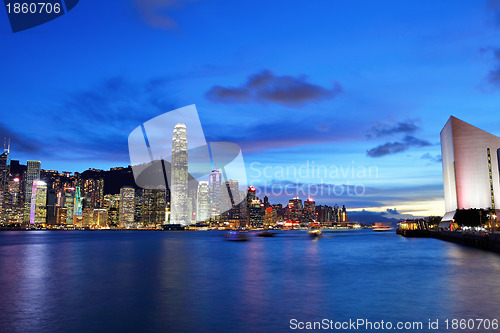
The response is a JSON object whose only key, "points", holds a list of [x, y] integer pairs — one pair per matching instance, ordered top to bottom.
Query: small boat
{"points": [[383, 228], [266, 233], [315, 233], [236, 236]]}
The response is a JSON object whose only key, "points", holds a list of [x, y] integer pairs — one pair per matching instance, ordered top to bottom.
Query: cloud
{"points": [[494, 9], [155, 12], [494, 75], [265, 87], [98, 120], [380, 129], [279, 134], [21, 143], [390, 148], [431, 158], [355, 194], [392, 211]]}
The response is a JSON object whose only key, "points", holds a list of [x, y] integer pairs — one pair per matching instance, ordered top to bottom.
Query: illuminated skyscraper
{"points": [[470, 159], [4, 168], [32, 173], [179, 177], [4, 186], [93, 189], [215, 193], [40, 202], [203, 202], [68, 203], [127, 206], [153, 207], [78, 208], [295, 208], [309, 210], [100, 217]]}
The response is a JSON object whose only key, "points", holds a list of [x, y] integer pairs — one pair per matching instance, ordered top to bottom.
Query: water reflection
{"points": [[196, 281]]}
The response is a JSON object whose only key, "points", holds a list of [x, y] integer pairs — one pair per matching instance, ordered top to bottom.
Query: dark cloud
{"points": [[494, 9], [156, 12], [494, 74], [265, 87], [98, 120], [383, 129], [282, 133], [18, 142], [390, 148], [431, 158], [392, 211]]}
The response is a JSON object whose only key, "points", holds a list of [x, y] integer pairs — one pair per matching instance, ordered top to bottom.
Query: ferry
{"points": [[383, 228], [266, 233], [315, 233], [236, 236]]}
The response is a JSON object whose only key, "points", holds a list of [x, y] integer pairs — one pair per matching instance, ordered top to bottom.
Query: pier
{"points": [[484, 241]]}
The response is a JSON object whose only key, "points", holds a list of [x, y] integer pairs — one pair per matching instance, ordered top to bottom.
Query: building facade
{"points": [[470, 159], [179, 177]]}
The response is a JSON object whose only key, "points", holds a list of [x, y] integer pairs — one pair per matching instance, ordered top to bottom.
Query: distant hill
{"points": [[367, 217]]}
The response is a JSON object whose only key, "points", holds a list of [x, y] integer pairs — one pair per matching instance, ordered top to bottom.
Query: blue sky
{"points": [[337, 83]]}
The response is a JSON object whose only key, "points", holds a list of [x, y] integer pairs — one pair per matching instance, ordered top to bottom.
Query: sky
{"points": [[352, 93]]}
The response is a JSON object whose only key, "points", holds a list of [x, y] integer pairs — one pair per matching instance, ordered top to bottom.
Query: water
{"points": [[142, 281]]}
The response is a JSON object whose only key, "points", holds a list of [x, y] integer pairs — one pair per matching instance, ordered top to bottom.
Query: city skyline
{"points": [[373, 90]]}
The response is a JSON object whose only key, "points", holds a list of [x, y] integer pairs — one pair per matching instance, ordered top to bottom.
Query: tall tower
{"points": [[4, 166], [32, 173], [179, 178], [4, 180], [215, 193], [203, 202]]}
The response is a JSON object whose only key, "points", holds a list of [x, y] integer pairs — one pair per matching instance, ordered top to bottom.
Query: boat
{"points": [[383, 228], [266, 233], [315, 233], [236, 236]]}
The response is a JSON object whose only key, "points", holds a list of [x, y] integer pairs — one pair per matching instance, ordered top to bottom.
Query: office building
{"points": [[32, 173], [179, 177], [215, 194], [203, 202], [127, 206]]}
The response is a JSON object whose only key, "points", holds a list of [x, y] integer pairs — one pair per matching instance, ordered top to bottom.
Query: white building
{"points": [[470, 168], [179, 177], [215, 193], [203, 202]]}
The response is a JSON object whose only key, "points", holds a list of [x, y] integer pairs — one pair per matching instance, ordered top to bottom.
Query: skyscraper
{"points": [[470, 158], [4, 168], [32, 173], [179, 177], [215, 193], [40, 202], [203, 202], [68, 203], [127, 206], [153, 207], [78, 208], [295, 209], [309, 210]]}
